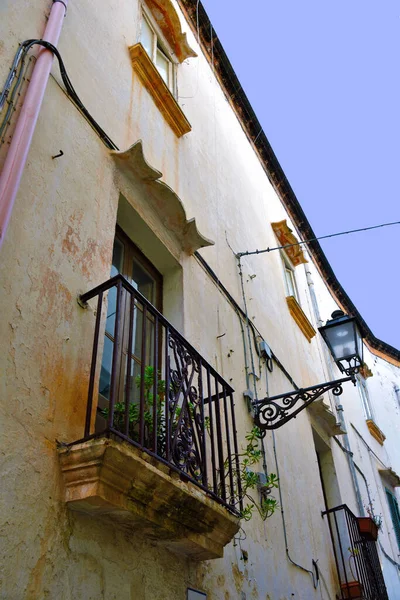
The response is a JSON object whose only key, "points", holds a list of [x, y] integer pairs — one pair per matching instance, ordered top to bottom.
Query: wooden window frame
{"points": [[131, 253]]}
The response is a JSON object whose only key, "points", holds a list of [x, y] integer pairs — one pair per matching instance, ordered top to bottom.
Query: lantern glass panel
{"points": [[342, 340], [359, 343]]}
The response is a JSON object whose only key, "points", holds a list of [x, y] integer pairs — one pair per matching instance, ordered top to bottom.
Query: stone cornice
{"points": [[167, 19], [158, 90], [167, 204], [285, 236], [300, 317], [323, 415], [391, 476]]}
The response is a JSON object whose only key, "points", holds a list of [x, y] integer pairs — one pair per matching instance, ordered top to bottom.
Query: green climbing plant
{"points": [[134, 407], [251, 482]]}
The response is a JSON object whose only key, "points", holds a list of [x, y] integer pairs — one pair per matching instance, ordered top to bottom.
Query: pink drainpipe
{"points": [[25, 127]]}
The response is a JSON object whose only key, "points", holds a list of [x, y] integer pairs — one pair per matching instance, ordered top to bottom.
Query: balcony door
{"points": [[128, 261]]}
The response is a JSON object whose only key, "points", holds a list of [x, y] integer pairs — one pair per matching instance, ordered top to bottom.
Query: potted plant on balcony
{"points": [[134, 410], [368, 528], [351, 590]]}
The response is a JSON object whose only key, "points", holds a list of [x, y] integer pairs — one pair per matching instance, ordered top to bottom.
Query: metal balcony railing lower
{"points": [[156, 392], [357, 560]]}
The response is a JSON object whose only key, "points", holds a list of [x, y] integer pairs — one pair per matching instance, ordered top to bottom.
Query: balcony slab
{"points": [[116, 481]]}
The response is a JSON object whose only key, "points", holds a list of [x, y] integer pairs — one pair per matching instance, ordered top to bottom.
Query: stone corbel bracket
{"points": [[133, 164], [322, 413]]}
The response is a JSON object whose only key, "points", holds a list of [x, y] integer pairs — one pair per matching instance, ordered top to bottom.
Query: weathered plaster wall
{"points": [[59, 244]]}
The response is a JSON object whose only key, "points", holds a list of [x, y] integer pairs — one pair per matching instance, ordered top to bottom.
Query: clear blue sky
{"points": [[324, 80]]}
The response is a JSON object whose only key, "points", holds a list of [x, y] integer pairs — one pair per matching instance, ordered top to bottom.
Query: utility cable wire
{"points": [[21, 53], [323, 237], [313, 576]]}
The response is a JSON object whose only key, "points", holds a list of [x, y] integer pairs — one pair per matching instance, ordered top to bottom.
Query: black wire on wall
{"points": [[17, 70]]}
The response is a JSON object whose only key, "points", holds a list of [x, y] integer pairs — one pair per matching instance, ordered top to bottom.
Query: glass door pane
{"points": [[147, 38], [162, 64], [129, 262], [145, 283], [105, 375]]}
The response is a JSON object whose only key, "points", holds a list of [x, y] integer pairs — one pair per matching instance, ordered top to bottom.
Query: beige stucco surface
{"points": [[59, 244]]}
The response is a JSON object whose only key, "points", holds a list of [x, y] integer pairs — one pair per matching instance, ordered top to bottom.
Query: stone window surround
{"points": [[164, 20], [291, 258]]}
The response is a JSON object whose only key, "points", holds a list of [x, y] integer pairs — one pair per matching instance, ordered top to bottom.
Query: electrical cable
{"points": [[26, 46], [20, 54], [11, 76], [10, 98], [323, 237], [241, 312], [248, 330], [369, 448], [349, 453], [315, 578]]}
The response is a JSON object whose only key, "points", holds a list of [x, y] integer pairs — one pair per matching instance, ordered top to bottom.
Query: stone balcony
{"points": [[159, 451], [113, 480]]}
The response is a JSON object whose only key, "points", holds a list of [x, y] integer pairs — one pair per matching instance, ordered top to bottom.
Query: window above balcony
{"points": [[156, 59]]}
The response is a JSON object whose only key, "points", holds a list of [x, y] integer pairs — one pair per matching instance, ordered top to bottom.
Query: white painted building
{"points": [[161, 175]]}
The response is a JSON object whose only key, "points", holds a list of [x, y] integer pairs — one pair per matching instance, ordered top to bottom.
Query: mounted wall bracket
{"points": [[272, 413]]}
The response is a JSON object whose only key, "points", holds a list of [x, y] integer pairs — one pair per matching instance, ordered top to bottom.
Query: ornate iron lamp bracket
{"points": [[271, 413]]}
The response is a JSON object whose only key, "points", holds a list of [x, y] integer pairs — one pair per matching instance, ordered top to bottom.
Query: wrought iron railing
{"points": [[150, 387], [357, 560]]}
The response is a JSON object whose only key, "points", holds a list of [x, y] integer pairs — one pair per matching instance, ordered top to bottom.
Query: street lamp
{"points": [[344, 341]]}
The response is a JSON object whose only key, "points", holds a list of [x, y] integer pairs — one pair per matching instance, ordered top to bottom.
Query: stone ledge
{"points": [[158, 90], [166, 203], [300, 317], [322, 413], [376, 432], [116, 481]]}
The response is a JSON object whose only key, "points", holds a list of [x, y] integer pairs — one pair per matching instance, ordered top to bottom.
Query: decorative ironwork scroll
{"points": [[353, 368], [185, 409], [272, 413]]}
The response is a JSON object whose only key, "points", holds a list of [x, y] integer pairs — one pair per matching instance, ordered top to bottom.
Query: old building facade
{"points": [[158, 176]]}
